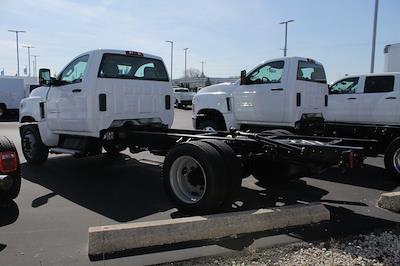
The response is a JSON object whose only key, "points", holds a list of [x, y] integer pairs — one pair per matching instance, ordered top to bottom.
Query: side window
{"points": [[73, 73], [268, 73], [379, 84], [345, 86]]}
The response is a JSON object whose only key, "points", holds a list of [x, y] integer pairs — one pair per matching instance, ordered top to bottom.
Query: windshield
{"points": [[120, 66], [310, 71]]}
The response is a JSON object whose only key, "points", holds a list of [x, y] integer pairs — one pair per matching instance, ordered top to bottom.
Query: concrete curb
{"points": [[390, 201], [120, 237]]}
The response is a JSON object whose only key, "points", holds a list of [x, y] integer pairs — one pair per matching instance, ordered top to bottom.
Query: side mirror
{"points": [[44, 76], [243, 80]]}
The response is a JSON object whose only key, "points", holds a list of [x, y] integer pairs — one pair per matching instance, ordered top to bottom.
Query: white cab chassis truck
{"points": [[279, 93], [115, 100], [366, 106]]}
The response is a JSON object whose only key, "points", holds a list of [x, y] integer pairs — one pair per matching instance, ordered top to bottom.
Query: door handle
{"points": [[277, 89], [76, 90], [351, 98], [390, 98]]}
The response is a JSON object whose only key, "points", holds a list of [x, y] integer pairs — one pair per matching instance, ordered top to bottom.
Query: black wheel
{"points": [[2, 110], [209, 125], [113, 149], [34, 150], [392, 158], [233, 166], [273, 172], [195, 177], [11, 185]]}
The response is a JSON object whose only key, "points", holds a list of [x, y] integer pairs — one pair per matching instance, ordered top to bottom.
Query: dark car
{"points": [[10, 172]]}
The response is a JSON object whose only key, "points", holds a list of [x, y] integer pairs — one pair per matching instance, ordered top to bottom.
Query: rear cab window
{"points": [[119, 66], [310, 71], [378, 84]]}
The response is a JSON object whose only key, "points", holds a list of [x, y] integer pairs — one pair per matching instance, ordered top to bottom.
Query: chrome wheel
{"points": [[396, 160], [188, 179]]}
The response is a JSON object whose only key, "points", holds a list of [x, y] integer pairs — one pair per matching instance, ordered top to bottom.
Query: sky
{"points": [[229, 35]]}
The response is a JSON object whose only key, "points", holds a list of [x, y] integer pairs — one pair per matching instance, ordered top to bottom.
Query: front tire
{"points": [[209, 125], [34, 150], [392, 158], [195, 177], [10, 187]]}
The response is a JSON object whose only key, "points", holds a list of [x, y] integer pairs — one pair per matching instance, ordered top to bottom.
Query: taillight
{"points": [[8, 162]]}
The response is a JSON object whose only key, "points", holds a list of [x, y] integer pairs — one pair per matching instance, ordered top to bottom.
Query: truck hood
{"points": [[222, 87], [39, 92]]}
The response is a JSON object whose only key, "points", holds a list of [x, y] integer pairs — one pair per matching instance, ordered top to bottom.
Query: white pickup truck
{"points": [[95, 91], [279, 93], [183, 97]]}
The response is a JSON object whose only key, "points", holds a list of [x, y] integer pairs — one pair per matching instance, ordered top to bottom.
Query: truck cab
{"points": [[97, 90], [278, 93]]}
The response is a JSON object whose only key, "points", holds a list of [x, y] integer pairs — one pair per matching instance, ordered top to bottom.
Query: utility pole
{"points": [[286, 23], [16, 34], [374, 36], [172, 55], [29, 57], [186, 63], [35, 64], [202, 68]]}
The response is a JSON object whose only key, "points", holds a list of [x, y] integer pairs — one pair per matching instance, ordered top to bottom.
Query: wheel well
{"points": [[210, 114], [28, 119]]}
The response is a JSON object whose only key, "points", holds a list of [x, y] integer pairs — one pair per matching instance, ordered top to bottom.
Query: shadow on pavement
{"points": [[369, 177], [120, 188], [9, 212]]}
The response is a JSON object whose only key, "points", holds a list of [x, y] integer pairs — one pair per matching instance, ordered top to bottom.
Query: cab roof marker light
{"points": [[133, 53]]}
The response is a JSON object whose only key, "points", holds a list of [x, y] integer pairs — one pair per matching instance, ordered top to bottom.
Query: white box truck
{"points": [[392, 58], [13, 90]]}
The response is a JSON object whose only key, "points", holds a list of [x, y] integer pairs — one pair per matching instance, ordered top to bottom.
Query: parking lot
{"points": [[48, 223]]}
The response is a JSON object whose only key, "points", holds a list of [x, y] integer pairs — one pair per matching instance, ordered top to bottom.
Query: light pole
{"points": [[285, 22], [16, 34], [374, 36], [172, 55], [29, 57], [186, 63], [34, 64], [202, 68]]}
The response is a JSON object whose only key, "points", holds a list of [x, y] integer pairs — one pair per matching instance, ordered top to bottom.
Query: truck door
{"points": [[262, 99], [343, 99], [66, 102], [379, 102]]}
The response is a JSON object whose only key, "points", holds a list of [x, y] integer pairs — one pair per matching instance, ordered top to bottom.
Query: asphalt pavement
{"points": [[48, 223]]}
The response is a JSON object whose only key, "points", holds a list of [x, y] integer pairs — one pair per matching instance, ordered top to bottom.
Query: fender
{"points": [[218, 98]]}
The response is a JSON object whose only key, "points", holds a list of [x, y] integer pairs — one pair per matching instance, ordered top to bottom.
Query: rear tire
{"points": [[34, 150], [392, 158], [233, 167], [195, 177], [12, 185]]}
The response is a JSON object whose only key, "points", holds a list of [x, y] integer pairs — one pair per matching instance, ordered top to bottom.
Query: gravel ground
{"points": [[373, 249]]}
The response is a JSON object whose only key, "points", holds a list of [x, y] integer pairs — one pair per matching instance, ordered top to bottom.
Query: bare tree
{"points": [[193, 73]]}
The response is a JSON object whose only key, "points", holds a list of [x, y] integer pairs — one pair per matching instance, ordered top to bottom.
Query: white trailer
{"points": [[392, 58], [13, 90]]}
